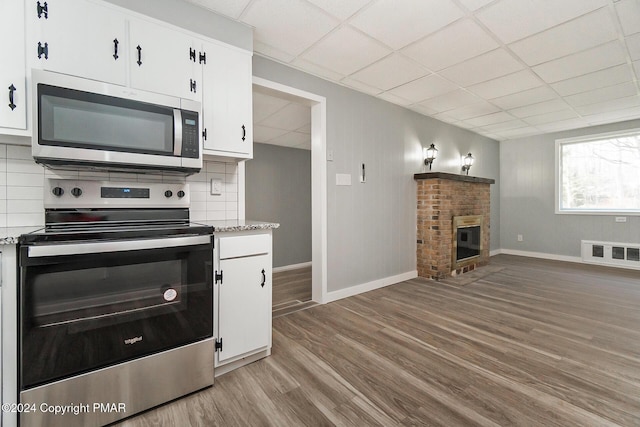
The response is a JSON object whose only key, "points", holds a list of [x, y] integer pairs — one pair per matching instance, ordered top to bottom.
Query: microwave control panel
{"points": [[190, 135]]}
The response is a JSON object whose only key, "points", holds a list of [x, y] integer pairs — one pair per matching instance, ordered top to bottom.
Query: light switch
{"points": [[216, 186]]}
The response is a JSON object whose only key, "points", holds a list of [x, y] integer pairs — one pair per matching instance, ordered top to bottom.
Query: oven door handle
{"points": [[116, 246]]}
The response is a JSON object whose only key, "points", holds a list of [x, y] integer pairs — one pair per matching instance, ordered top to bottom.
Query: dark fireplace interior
{"points": [[468, 242]]}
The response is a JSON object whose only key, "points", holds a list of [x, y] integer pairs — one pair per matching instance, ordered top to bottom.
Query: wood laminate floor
{"points": [[291, 291], [520, 342]]}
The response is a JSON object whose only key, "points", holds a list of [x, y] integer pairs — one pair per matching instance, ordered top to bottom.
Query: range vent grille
{"points": [[626, 255]]}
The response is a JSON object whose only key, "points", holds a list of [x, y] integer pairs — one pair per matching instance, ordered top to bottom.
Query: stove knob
{"points": [[57, 191], [77, 192], [168, 193], [181, 194]]}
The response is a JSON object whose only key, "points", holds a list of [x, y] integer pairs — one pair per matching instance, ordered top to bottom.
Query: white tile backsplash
{"points": [[22, 184]]}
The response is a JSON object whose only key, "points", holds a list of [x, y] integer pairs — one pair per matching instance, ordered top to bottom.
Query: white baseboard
{"points": [[495, 252], [541, 255], [291, 267], [370, 286]]}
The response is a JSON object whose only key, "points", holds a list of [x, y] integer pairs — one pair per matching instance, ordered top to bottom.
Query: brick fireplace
{"points": [[445, 199]]}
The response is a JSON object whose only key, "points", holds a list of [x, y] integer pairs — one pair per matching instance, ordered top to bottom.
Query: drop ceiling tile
{"points": [[475, 4], [231, 8], [340, 8], [629, 15], [513, 20], [399, 23], [290, 25], [583, 33], [457, 42], [633, 45], [345, 51], [271, 52], [599, 58], [636, 67], [482, 68], [316, 70], [389, 72], [607, 77], [506, 85], [360, 87], [424, 88], [603, 94], [387, 96], [527, 97], [451, 100], [266, 105], [608, 106], [539, 108], [425, 111], [470, 111], [556, 116], [614, 116], [291, 117], [490, 119], [564, 125], [504, 126], [305, 129], [264, 133], [519, 133], [291, 139]]}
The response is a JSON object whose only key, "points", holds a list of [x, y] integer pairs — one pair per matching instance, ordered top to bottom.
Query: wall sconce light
{"points": [[430, 155], [467, 163]]}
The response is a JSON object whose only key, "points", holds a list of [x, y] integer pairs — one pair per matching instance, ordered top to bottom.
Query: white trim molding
{"points": [[540, 255], [291, 267], [370, 286]]}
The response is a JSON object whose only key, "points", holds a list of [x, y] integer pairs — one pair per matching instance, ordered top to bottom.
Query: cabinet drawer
{"points": [[239, 246]]}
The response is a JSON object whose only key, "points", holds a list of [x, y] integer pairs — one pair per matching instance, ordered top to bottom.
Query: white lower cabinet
{"points": [[242, 297]]}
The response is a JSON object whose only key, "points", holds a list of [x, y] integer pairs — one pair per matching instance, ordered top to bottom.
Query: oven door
{"points": [[89, 305]]}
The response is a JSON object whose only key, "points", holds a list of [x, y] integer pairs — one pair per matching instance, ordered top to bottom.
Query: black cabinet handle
{"points": [[43, 9], [115, 49], [43, 50], [192, 54], [202, 58], [139, 61], [192, 85], [12, 89], [244, 132], [204, 134], [264, 278]]}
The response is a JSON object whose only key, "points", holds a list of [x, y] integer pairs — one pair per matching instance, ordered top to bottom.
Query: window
{"points": [[599, 174]]}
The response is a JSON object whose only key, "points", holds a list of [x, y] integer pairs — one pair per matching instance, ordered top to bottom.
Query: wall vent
{"points": [[626, 255]]}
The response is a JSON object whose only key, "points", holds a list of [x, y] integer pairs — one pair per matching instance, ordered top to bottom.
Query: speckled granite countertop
{"points": [[239, 225], [9, 235]]}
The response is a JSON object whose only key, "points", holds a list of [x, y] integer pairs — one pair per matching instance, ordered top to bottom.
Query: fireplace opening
{"points": [[467, 242]]}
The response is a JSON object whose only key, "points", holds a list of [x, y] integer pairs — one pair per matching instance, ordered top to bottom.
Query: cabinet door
{"points": [[78, 37], [164, 60], [227, 100], [13, 112], [244, 305]]}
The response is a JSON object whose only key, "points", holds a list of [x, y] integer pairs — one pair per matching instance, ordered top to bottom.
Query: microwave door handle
{"points": [[177, 132], [115, 246]]}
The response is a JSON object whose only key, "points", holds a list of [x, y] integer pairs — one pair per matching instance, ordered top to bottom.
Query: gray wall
{"points": [[193, 18], [527, 176], [278, 189], [372, 226]]}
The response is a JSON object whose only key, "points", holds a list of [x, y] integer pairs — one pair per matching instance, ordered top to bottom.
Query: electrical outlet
{"points": [[216, 186], [621, 219], [520, 238]]}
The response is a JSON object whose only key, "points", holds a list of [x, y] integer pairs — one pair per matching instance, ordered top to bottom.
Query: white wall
{"points": [[527, 176]]}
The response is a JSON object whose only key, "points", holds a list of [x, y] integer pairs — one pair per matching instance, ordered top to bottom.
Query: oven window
{"points": [[73, 118], [106, 294]]}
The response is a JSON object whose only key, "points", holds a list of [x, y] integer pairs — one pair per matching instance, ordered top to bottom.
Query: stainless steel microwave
{"points": [[80, 124]]}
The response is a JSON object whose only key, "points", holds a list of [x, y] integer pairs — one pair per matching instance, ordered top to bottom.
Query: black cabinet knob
{"points": [[57, 191], [77, 192], [168, 193], [181, 194]]}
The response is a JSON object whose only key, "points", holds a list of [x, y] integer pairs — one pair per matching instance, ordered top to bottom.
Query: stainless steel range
{"points": [[115, 303]]}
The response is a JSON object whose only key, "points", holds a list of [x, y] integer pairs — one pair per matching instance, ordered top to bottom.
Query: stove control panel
{"points": [[70, 193]]}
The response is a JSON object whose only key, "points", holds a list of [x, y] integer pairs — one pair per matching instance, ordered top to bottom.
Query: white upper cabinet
{"points": [[78, 37], [163, 60], [227, 102], [13, 112]]}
